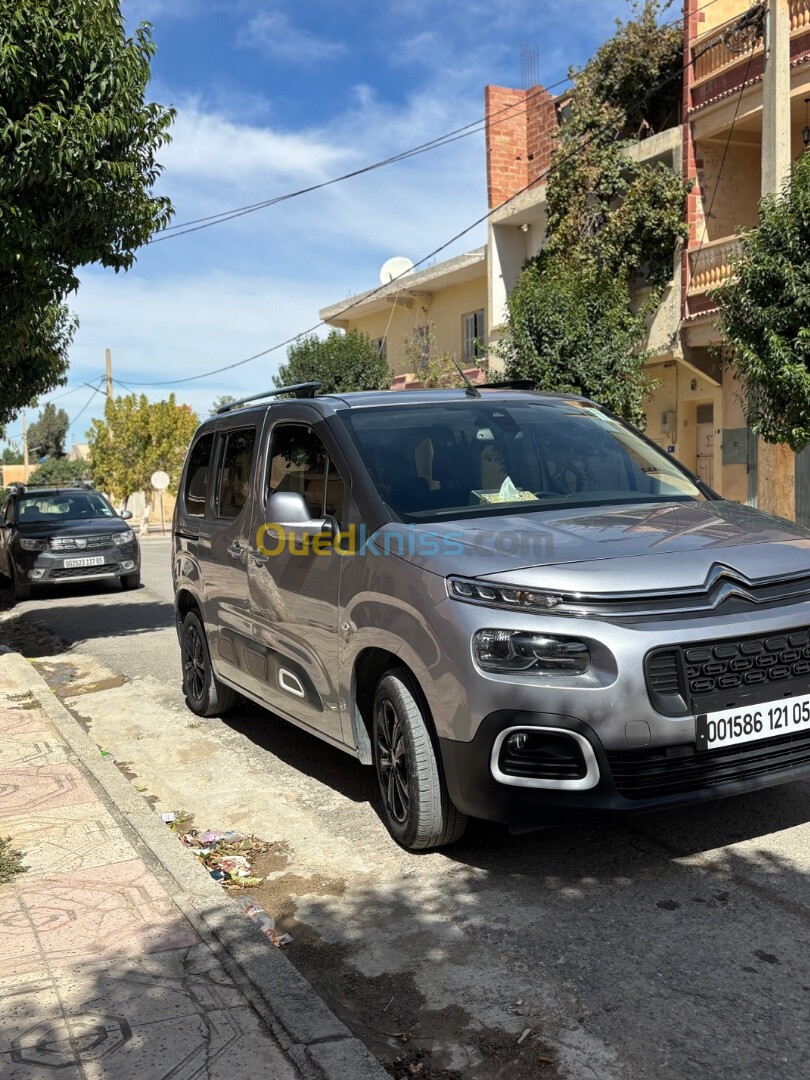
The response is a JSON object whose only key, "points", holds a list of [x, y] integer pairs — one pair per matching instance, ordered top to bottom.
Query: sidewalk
{"points": [[119, 956]]}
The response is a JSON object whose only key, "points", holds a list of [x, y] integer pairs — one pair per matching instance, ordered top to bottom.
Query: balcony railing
{"points": [[717, 56], [711, 263]]}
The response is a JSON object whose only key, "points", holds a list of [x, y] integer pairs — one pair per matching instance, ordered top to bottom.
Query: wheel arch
{"points": [[370, 664]]}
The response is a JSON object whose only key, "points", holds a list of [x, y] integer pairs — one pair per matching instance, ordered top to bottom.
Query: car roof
{"points": [[329, 404], [71, 489]]}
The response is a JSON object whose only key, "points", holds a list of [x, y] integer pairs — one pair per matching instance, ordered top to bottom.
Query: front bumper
{"points": [[50, 568], [630, 781]]}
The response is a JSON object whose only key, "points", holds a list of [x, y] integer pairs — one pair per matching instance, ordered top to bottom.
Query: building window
{"points": [[474, 332], [381, 345]]}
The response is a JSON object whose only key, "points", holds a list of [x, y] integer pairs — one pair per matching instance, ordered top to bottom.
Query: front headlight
{"points": [[122, 538], [33, 545], [506, 596], [520, 652]]}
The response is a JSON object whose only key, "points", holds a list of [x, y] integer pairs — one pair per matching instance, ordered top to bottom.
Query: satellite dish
{"points": [[394, 268], [160, 480]]}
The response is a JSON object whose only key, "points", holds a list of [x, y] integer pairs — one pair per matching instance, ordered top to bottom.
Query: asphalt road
{"points": [[671, 946]]}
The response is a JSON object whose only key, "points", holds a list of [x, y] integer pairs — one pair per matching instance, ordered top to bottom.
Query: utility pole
{"points": [[776, 142], [108, 354], [25, 448], [776, 468]]}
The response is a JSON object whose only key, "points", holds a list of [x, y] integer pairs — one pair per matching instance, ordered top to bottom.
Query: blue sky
{"points": [[272, 96]]}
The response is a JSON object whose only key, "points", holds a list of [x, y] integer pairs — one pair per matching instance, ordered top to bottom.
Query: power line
{"points": [[172, 232], [431, 255]]}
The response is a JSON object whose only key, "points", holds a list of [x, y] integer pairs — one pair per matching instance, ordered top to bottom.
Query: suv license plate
{"points": [[90, 560], [749, 723]]}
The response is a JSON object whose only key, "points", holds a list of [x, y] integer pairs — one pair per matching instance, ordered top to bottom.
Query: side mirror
{"points": [[289, 510], [125, 515]]}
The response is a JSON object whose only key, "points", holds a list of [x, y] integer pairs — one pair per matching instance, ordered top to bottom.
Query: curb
{"points": [[317, 1042]]}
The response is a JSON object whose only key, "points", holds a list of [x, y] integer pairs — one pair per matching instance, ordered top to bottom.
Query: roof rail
{"points": [[509, 384], [299, 390]]}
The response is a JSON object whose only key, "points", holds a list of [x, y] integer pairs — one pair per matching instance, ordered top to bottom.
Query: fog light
{"points": [[128, 564], [35, 575], [517, 742]]}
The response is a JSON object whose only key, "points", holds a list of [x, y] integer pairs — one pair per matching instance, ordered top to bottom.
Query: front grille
{"points": [[92, 543], [82, 571], [679, 673], [647, 774]]}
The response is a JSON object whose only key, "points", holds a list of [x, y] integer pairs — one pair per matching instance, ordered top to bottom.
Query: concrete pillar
{"points": [[776, 156], [776, 475]]}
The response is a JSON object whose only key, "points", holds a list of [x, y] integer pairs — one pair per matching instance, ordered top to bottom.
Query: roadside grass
{"points": [[10, 861]]}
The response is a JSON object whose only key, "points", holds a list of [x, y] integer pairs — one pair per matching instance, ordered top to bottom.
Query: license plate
{"points": [[88, 560], [728, 727]]}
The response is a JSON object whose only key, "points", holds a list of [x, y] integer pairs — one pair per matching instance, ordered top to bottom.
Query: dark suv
{"points": [[53, 536], [513, 604]]}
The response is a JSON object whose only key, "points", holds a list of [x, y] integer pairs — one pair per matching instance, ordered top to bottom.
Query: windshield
{"points": [[440, 461], [33, 509]]}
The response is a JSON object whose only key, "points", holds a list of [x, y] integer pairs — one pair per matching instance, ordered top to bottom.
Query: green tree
{"points": [[77, 166], [764, 315], [576, 319], [572, 330], [422, 356], [343, 362], [223, 399], [46, 436], [135, 439], [11, 457], [62, 471]]}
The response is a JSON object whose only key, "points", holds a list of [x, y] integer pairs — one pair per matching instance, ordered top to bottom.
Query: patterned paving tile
{"points": [[17, 721], [35, 748], [37, 788], [68, 839], [116, 910], [172, 1014]]}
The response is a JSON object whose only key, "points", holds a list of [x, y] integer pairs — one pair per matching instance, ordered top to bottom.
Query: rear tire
{"points": [[131, 581], [20, 590], [205, 694], [417, 807]]}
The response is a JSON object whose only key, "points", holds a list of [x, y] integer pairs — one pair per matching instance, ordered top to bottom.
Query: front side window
{"points": [[236, 458], [441, 461], [199, 463], [299, 463], [46, 509]]}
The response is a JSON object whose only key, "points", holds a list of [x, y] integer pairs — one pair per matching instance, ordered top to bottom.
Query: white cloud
{"points": [[275, 34], [212, 148]]}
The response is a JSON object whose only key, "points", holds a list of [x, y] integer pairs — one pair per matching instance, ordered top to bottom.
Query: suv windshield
{"points": [[440, 461], [53, 507]]}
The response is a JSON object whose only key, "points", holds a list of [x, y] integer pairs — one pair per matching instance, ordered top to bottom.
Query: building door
{"points": [[704, 450]]}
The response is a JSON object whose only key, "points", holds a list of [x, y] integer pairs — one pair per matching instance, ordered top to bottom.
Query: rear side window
{"points": [[299, 463], [199, 466], [234, 476]]}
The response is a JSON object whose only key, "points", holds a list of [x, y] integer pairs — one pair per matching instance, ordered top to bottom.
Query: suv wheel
{"points": [[131, 581], [20, 590], [205, 694], [418, 810]]}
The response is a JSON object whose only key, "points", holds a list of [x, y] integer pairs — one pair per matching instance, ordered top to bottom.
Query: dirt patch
{"points": [[31, 637], [67, 680]]}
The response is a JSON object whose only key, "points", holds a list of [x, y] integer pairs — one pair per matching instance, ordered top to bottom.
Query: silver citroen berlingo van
{"points": [[512, 604]]}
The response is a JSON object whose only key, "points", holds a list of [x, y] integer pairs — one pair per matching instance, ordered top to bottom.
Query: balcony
{"points": [[714, 57], [711, 263]]}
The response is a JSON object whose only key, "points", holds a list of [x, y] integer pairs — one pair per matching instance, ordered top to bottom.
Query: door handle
{"points": [[235, 550], [258, 558]]}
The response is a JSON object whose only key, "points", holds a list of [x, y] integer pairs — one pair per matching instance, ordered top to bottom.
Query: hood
{"points": [[81, 527], [607, 549]]}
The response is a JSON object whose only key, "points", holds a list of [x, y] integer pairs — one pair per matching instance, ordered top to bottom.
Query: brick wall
{"points": [[519, 124]]}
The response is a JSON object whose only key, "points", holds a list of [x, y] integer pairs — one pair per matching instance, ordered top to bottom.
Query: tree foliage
{"points": [[77, 166], [612, 223], [764, 315], [573, 331], [343, 362], [435, 369], [46, 436], [135, 439], [11, 457], [61, 470]]}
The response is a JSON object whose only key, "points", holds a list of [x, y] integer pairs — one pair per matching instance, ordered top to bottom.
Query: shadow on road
{"points": [[37, 632]]}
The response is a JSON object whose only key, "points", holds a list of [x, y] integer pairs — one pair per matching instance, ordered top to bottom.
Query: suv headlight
{"points": [[122, 538], [33, 545], [507, 596], [520, 652]]}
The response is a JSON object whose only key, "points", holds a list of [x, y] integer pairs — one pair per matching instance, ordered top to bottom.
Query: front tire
{"points": [[131, 581], [20, 590], [205, 694], [417, 807]]}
